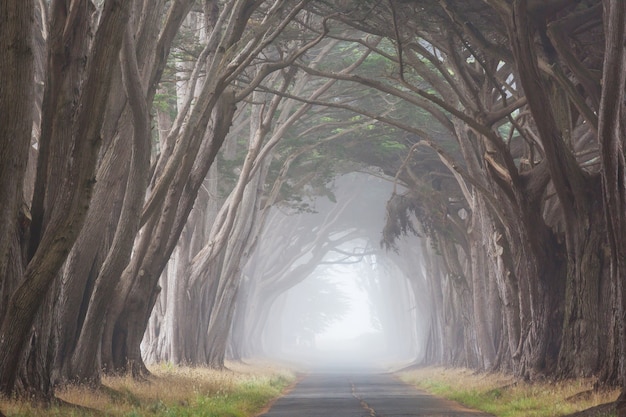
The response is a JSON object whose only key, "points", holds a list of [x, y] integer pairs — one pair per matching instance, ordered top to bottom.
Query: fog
{"points": [[357, 307], [332, 320], [358, 321]]}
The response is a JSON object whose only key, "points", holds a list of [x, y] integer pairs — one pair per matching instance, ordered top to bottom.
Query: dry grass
{"points": [[240, 391], [504, 396]]}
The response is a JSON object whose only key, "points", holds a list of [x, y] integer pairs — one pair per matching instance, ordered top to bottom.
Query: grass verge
{"points": [[240, 391], [504, 396]]}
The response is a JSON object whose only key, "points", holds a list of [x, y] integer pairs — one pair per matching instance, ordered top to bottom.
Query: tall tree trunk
{"points": [[67, 54], [16, 118], [16, 125], [611, 134], [73, 198], [90, 251], [86, 257], [230, 274], [138, 290], [586, 346], [86, 364]]}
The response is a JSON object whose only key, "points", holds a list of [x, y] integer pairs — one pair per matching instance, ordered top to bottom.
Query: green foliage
{"points": [[165, 101], [339, 141], [392, 146]]}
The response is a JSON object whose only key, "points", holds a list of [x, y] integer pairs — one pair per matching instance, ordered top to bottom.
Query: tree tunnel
{"points": [[182, 185], [321, 289]]}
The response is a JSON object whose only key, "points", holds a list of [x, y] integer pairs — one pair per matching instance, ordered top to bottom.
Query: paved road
{"points": [[362, 395]]}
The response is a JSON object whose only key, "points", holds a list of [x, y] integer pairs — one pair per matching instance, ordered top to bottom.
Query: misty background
{"points": [[354, 306]]}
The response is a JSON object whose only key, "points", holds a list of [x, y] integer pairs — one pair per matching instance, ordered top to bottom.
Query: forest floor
{"points": [[242, 390], [504, 396]]}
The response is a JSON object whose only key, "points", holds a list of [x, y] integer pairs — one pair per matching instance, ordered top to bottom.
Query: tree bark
{"points": [[16, 116], [16, 125], [611, 134], [74, 195], [129, 314], [86, 364]]}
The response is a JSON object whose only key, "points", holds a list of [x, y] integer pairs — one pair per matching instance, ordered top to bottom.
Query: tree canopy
{"points": [[157, 160]]}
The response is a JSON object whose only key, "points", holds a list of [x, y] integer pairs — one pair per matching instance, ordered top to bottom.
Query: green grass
{"points": [[241, 391], [504, 396]]}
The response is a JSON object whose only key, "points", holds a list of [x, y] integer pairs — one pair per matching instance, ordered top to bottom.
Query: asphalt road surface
{"points": [[362, 395]]}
